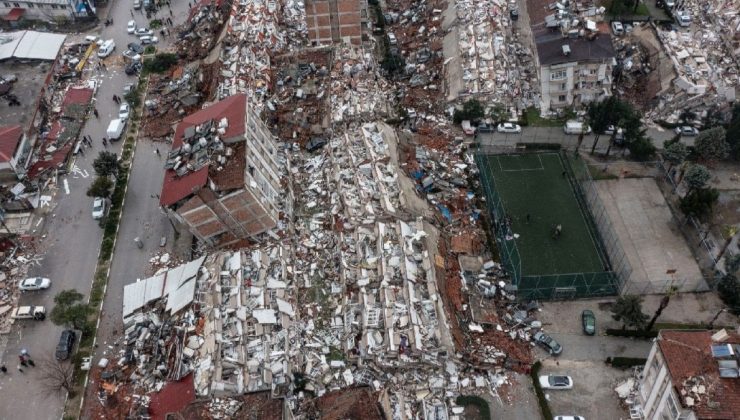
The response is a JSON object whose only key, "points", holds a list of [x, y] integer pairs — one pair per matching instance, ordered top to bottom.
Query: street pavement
{"points": [[569, 141], [69, 239]]}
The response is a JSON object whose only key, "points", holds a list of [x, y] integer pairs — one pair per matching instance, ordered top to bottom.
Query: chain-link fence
{"points": [[559, 286]]}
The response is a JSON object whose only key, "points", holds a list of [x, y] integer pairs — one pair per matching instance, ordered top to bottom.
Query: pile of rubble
{"points": [[199, 34], [171, 98], [16, 260]]}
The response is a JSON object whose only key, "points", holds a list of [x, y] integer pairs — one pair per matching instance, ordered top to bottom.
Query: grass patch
{"points": [[532, 118], [598, 174], [478, 402], [544, 405]]}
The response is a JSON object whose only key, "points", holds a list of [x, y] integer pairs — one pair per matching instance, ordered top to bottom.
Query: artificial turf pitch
{"points": [[534, 184]]}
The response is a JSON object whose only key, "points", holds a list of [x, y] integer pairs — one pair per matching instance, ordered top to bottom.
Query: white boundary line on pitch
{"points": [[541, 168], [580, 211]]}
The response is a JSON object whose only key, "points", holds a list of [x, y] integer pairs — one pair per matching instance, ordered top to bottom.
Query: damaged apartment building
{"points": [[575, 57], [222, 177]]}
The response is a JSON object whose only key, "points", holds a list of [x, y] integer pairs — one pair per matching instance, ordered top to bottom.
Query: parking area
{"points": [[583, 359]]}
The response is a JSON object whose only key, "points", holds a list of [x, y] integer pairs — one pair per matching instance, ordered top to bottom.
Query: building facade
{"points": [[46, 9], [334, 21], [574, 71], [14, 153], [223, 180], [691, 375]]}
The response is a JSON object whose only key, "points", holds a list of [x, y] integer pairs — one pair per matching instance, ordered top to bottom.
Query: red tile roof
{"points": [[14, 14], [77, 96], [234, 109], [10, 136], [57, 158], [176, 188], [688, 355], [174, 397]]}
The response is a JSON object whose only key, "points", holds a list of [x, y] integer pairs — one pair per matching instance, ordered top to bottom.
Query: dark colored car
{"points": [[137, 48], [132, 68], [485, 128], [315, 143], [588, 320], [66, 343], [548, 343]]}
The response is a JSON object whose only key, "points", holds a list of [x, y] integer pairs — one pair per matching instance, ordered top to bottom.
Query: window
{"points": [[7, 5], [16, 5], [29, 5], [54, 6], [558, 75], [562, 86], [561, 98], [672, 406]]}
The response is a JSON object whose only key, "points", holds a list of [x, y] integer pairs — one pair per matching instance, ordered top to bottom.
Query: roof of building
{"points": [[14, 14], [31, 45], [550, 49], [77, 95], [233, 109], [10, 136], [230, 176], [688, 356]]}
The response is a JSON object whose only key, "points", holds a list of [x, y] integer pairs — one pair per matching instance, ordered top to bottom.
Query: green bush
{"points": [[155, 24], [160, 63], [133, 98], [541, 146], [106, 248], [631, 333], [625, 362], [544, 406], [485, 411]]}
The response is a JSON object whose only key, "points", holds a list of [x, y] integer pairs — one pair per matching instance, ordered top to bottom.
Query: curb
{"points": [[113, 252]]}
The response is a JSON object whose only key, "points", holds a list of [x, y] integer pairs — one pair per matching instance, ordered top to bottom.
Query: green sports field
{"points": [[534, 184]]}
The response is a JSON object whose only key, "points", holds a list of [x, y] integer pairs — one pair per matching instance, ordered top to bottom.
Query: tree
{"points": [[160, 63], [393, 63], [471, 110], [620, 114], [598, 119], [732, 136], [711, 145], [641, 149], [675, 154], [106, 164], [696, 177], [101, 187], [699, 203], [728, 232], [732, 263], [729, 291], [663, 304], [628, 310], [69, 311], [57, 376]]}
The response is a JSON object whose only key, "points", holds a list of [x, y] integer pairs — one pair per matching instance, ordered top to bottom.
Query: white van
{"points": [[107, 48], [576, 127], [115, 129]]}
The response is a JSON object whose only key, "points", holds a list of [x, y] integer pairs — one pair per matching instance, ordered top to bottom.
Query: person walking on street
{"points": [[132, 13], [95, 111], [105, 142], [156, 151], [31, 363], [3, 369], [20, 369]]}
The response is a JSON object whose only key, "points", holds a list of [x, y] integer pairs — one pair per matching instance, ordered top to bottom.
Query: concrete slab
{"points": [[650, 237]]}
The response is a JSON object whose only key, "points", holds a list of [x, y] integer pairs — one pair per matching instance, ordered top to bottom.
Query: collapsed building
{"points": [[334, 21], [222, 177]]}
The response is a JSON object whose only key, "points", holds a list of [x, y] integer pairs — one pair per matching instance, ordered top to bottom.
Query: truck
{"points": [[576, 127], [115, 129], [37, 313]]}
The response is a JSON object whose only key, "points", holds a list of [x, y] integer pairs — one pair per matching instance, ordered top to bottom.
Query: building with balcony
{"points": [[13, 11], [222, 177], [691, 375]]}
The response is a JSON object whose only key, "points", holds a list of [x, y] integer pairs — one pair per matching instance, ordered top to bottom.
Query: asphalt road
{"points": [[556, 135], [70, 238]]}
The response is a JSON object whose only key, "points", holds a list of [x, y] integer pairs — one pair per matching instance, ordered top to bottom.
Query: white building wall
{"points": [[40, 9]]}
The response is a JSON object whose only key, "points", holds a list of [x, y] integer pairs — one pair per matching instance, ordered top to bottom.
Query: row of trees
{"points": [[618, 113], [106, 165]]}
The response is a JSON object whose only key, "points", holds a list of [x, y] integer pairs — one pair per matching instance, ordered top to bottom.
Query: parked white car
{"points": [[131, 27], [143, 32], [124, 111], [508, 127], [687, 130], [98, 210], [34, 283], [556, 382]]}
